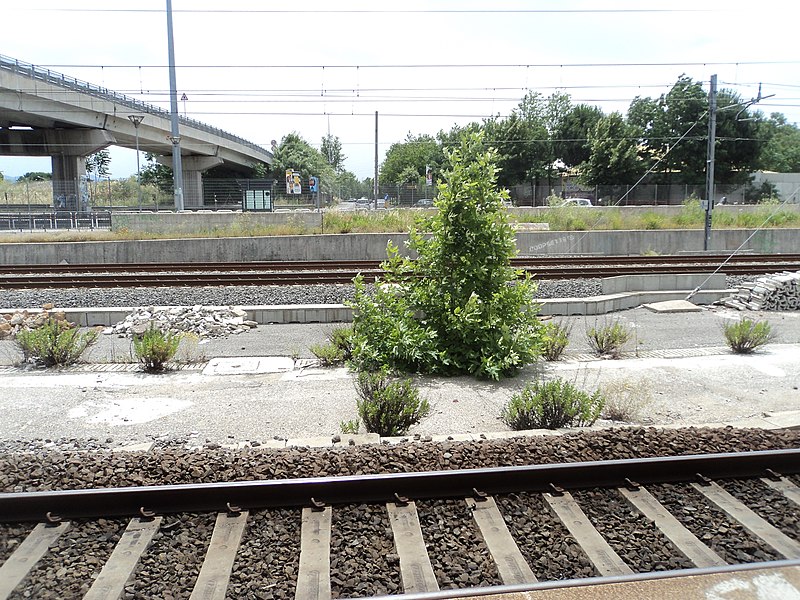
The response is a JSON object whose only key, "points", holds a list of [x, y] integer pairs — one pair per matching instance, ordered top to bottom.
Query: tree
{"points": [[684, 111], [571, 141], [331, 149], [781, 149], [297, 154], [415, 154], [614, 158], [97, 164], [97, 168], [156, 174], [36, 176], [459, 307]]}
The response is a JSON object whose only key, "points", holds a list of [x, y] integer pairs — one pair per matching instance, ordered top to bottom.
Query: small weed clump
{"points": [[746, 336], [555, 337], [608, 340], [54, 344], [155, 348], [337, 350], [625, 400], [551, 405], [386, 406], [350, 427]]}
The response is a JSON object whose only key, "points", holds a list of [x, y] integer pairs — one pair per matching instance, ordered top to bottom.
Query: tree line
{"points": [[545, 138]]}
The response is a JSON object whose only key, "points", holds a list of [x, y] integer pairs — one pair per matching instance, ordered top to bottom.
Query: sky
{"points": [[263, 70]]}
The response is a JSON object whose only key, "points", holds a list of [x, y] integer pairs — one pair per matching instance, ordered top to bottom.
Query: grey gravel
{"points": [[250, 295], [257, 295]]}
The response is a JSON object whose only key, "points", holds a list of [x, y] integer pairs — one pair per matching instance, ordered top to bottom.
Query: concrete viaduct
{"points": [[44, 113]]}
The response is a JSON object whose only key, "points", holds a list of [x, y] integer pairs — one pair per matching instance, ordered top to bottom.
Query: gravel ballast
{"points": [[235, 295], [256, 295], [28, 471], [361, 537]]}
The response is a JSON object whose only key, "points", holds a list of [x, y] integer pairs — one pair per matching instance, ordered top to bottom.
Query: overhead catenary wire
{"points": [[747, 239]]}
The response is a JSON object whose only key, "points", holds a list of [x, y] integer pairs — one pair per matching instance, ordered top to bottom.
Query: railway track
{"points": [[338, 272], [356, 536]]}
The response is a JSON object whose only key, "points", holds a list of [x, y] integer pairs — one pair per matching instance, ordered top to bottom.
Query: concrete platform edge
{"points": [[339, 313]]}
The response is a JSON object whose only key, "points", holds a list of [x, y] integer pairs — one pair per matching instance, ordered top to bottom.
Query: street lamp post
{"points": [[136, 120]]}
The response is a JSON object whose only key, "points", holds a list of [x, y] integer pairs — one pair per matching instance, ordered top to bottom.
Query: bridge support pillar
{"points": [[67, 149], [193, 168]]}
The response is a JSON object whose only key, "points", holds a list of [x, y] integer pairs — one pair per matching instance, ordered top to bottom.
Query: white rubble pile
{"points": [[780, 291], [202, 321], [14, 322]]}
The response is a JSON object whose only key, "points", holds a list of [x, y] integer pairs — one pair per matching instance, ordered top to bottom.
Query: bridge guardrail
{"points": [[62, 80]]}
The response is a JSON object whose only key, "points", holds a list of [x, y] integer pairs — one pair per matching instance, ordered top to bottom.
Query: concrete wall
{"points": [[206, 221], [373, 246]]}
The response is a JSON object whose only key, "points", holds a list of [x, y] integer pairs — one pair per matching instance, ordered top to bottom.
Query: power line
{"points": [[390, 11], [433, 66]]}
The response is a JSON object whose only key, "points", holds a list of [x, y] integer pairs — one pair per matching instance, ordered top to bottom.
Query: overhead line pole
{"points": [[712, 133], [175, 137], [375, 182]]}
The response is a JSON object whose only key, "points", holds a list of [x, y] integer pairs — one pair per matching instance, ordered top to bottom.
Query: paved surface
{"points": [[676, 371], [752, 584]]}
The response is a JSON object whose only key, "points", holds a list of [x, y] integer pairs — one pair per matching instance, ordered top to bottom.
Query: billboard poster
{"points": [[293, 182]]}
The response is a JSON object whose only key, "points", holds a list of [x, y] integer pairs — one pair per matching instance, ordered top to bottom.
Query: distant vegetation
{"points": [[689, 216]]}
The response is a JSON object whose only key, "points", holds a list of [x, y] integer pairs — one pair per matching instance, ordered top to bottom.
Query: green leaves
{"points": [[460, 307], [54, 344]]}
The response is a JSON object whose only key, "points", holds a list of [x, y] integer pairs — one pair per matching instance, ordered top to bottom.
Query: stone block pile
{"points": [[780, 291], [202, 321], [12, 323]]}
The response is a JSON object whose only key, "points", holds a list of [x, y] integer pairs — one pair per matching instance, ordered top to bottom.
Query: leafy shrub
{"points": [[692, 214], [651, 220], [460, 307], [746, 335], [555, 337], [608, 340], [54, 344], [154, 348], [337, 350], [551, 405], [386, 406]]}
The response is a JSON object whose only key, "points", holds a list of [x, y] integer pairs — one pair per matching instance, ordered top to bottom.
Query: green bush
{"points": [[652, 220], [460, 307], [746, 335], [555, 337], [608, 340], [53, 345], [154, 348], [337, 350], [551, 405], [388, 406], [350, 427]]}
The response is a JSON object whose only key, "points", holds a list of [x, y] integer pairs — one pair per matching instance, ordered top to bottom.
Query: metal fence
{"points": [[54, 220]]}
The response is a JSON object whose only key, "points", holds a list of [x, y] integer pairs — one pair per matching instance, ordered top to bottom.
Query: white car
{"points": [[576, 202]]}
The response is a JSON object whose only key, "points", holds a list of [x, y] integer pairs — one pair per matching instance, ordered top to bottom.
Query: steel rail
{"points": [[350, 265], [196, 279], [246, 495], [591, 582]]}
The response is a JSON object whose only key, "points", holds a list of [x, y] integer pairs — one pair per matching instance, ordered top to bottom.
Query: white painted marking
{"points": [[127, 411], [771, 586]]}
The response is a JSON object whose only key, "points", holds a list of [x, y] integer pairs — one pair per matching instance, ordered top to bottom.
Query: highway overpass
{"points": [[45, 113]]}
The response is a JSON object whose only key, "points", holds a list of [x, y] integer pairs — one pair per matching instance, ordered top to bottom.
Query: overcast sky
{"points": [[316, 66]]}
